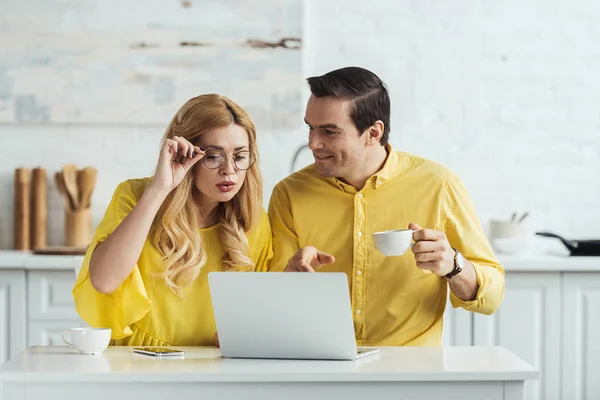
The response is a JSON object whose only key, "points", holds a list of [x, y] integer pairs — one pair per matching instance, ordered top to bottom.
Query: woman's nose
{"points": [[228, 167]]}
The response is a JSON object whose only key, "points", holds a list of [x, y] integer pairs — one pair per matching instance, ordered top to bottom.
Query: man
{"points": [[323, 218]]}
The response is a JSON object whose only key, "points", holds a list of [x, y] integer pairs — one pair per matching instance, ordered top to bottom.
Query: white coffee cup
{"points": [[394, 242], [88, 340]]}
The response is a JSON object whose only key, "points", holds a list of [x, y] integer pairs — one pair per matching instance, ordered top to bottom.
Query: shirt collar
{"points": [[392, 167]]}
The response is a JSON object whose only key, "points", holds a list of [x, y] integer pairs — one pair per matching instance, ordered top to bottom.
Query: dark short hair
{"points": [[369, 96]]}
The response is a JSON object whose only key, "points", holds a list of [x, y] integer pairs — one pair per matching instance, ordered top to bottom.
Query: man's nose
{"points": [[314, 143]]}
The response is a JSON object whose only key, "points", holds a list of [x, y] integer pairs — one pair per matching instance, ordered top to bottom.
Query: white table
{"points": [[466, 373]]}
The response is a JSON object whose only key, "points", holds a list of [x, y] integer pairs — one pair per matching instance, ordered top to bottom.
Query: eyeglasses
{"points": [[242, 160]]}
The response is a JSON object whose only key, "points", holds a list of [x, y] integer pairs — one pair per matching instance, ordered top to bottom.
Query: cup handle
{"points": [[412, 238], [64, 339]]}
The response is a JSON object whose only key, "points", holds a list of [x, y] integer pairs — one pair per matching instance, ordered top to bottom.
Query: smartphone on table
{"points": [[158, 351]]}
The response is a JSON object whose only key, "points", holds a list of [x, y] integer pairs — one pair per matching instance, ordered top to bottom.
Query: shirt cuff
{"points": [[485, 300]]}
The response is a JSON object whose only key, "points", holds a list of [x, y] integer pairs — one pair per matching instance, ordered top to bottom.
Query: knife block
{"points": [[78, 227]]}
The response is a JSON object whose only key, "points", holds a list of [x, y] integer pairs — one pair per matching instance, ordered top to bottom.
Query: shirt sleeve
{"points": [[464, 232], [285, 240], [129, 302]]}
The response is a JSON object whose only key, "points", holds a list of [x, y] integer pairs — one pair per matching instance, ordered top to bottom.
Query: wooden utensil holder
{"points": [[78, 227]]}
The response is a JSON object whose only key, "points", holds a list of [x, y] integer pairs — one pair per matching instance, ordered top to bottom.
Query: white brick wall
{"points": [[504, 92]]}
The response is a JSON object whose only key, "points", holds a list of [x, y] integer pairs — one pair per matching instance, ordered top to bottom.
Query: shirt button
{"points": [[360, 195], [359, 234], [358, 272], [358, 311]]}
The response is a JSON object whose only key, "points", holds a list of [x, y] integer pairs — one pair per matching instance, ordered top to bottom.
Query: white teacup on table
{"points": [[395, 242], [89, 341]]}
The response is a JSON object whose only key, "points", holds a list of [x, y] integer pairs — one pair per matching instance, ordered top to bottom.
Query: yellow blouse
{"points": [[394, 302], [144, 311]]}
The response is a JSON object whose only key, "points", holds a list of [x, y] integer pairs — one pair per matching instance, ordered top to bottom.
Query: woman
{"points": [[145, 272]]}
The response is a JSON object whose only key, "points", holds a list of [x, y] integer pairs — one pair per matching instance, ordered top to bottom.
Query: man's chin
{"points": [[327, 172]]}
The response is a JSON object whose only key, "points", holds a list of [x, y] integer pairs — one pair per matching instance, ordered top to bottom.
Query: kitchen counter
{"points": [[11, 259], [14, 259], [548, 263], [546, 316], [414, 372]]}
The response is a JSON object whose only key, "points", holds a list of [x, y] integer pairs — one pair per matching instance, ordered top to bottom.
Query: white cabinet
{"points": [[49, 295], [50, 305], [36, 306], [13, 317], [551, 319], [528, 323], [458, 326], [49, 333], [581, 334]]}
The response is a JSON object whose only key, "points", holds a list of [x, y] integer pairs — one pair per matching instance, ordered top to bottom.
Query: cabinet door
{"points": [[50, 295], [13, 318], [528, 324], [458, 326], [49, 333], [581, 336]]}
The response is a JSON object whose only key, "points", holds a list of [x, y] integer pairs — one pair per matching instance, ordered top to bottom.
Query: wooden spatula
{"points": [[69, 173], [86, 181], [60, 185]]}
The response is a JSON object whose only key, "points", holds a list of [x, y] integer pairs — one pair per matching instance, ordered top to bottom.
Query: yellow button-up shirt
{"points": [[393, 301]]}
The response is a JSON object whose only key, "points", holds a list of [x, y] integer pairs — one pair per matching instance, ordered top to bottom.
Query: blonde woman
{"points": [[145, 272]]}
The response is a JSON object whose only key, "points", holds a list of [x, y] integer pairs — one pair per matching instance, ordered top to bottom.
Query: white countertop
{"points": [[12, 259], [549, 263], [205, 364]]}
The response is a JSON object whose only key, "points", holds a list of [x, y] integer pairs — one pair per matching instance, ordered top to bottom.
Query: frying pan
{"points": [[590, 247]]}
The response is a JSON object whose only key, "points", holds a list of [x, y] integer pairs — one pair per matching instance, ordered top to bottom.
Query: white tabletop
{"points": [[205, 364]]}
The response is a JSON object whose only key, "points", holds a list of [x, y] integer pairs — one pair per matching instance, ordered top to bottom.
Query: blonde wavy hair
{"points": [[175, 231]]}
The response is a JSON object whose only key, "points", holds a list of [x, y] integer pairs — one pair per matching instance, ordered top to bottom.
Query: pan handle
{"points": [[566, 242]]}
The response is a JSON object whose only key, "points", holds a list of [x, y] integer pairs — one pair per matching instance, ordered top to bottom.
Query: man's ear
{"points": [[375, 132]]}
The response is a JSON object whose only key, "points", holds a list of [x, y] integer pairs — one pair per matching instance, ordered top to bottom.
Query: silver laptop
{"points": [[292, 315]]}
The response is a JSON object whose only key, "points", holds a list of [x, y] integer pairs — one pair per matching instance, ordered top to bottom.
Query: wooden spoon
{"points": [[69, 173], [86, 181], [60, 185]]}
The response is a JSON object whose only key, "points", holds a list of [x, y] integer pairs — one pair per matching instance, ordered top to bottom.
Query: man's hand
{"points": [[432, 250], [307, 259]]}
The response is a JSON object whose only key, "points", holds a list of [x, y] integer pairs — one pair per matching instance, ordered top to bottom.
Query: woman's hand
{"points": [[177, 156]]}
